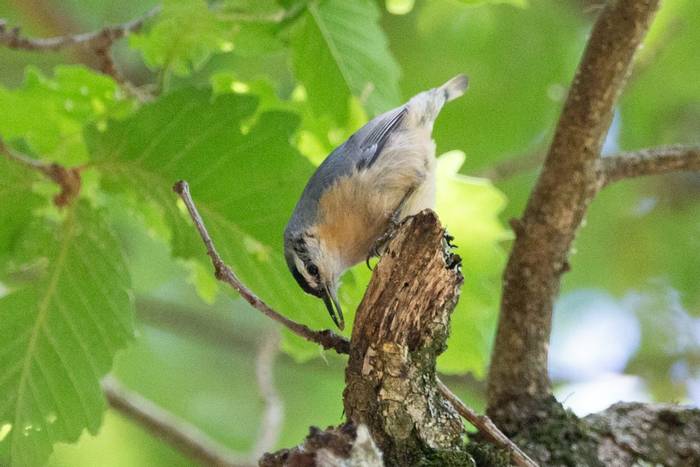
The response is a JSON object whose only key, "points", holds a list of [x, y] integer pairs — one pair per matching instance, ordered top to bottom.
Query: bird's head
{"points": [[315, 269]]}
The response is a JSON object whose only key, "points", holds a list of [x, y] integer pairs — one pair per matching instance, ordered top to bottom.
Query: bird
{"points": [[382, 174]]}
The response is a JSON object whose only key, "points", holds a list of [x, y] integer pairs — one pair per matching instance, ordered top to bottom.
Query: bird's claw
{"points": [[448, 239], [380, 243], [374, 252]]}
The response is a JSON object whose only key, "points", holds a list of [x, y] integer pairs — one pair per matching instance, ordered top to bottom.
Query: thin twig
{"points": [[14, 39], [100, 42], [652, 161], [649, 162], [68, 179], [567, 184], [219, 332], [327, 338], [271, 426], [486, 427], [183, 436]]}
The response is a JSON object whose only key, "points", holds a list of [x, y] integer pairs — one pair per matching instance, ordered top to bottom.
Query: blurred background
{"points": [[627, 323]]}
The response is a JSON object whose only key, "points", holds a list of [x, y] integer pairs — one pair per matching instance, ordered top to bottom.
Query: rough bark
{"points": [[649, 162], [400, 328], [518, 380], [391, 391], [394, 395], [626, 434], [654, 434], [344, 446]]}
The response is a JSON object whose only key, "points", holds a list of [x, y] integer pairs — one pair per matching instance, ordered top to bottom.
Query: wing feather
{"points": [[378, 133]]}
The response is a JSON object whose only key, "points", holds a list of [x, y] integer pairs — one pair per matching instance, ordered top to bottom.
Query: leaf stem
{"points": [[68, 179], [327, 338]]}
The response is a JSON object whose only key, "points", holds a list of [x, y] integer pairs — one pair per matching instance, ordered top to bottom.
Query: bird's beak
{"points": [[331, 302]]}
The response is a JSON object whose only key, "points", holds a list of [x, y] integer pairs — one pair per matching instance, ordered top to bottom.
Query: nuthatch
{"points": [[380, 175]]}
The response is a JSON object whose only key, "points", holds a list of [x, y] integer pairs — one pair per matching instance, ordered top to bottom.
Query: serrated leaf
{"points": [[185, 35], [339, 50], [65, 102], [245, 185], [17, 201], [469, 208], [60, 333]]}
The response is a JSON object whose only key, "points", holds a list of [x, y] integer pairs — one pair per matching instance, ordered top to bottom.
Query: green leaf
{"points": [[518, 3], [257, 24], [185, 35], [339, 50], [73, 97], [245, 184], [17, 201], [469, 208], [60, 333]]}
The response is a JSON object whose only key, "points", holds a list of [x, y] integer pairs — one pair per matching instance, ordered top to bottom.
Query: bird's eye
{"points": [[313, 270]]}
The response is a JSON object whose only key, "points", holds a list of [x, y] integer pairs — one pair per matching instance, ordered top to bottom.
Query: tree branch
{"points": [[14, 39], [100, 41], [649, 162], [68, 179], [567, 184], [400, 328], [327, 338], [486, 426], [632, 433], [184, 437]]}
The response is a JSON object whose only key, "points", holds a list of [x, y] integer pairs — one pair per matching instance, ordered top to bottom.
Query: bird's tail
{"points": [[455, 87], [425, 107]]}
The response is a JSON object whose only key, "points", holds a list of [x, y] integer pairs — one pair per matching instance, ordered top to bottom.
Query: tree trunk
{"points": [[400, 328], [396, 417]]}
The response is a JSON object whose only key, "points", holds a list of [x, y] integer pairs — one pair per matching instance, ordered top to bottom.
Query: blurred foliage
{"points": [[183, 39], [251, 95], [66, 102]]}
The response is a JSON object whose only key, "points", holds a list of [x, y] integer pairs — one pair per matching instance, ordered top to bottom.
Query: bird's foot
{"points": [[448, 239], [383, 240]]}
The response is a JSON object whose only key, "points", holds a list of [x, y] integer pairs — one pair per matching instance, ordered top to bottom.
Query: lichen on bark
{"points": [[400, 328], [632, 433]]}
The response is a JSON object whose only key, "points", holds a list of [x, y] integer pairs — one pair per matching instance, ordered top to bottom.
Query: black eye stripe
{"points": [[312, 269], [301, 280]]}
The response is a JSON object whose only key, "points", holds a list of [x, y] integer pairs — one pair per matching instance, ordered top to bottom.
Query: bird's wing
{"points": [[370, 139], [359, 152]]}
